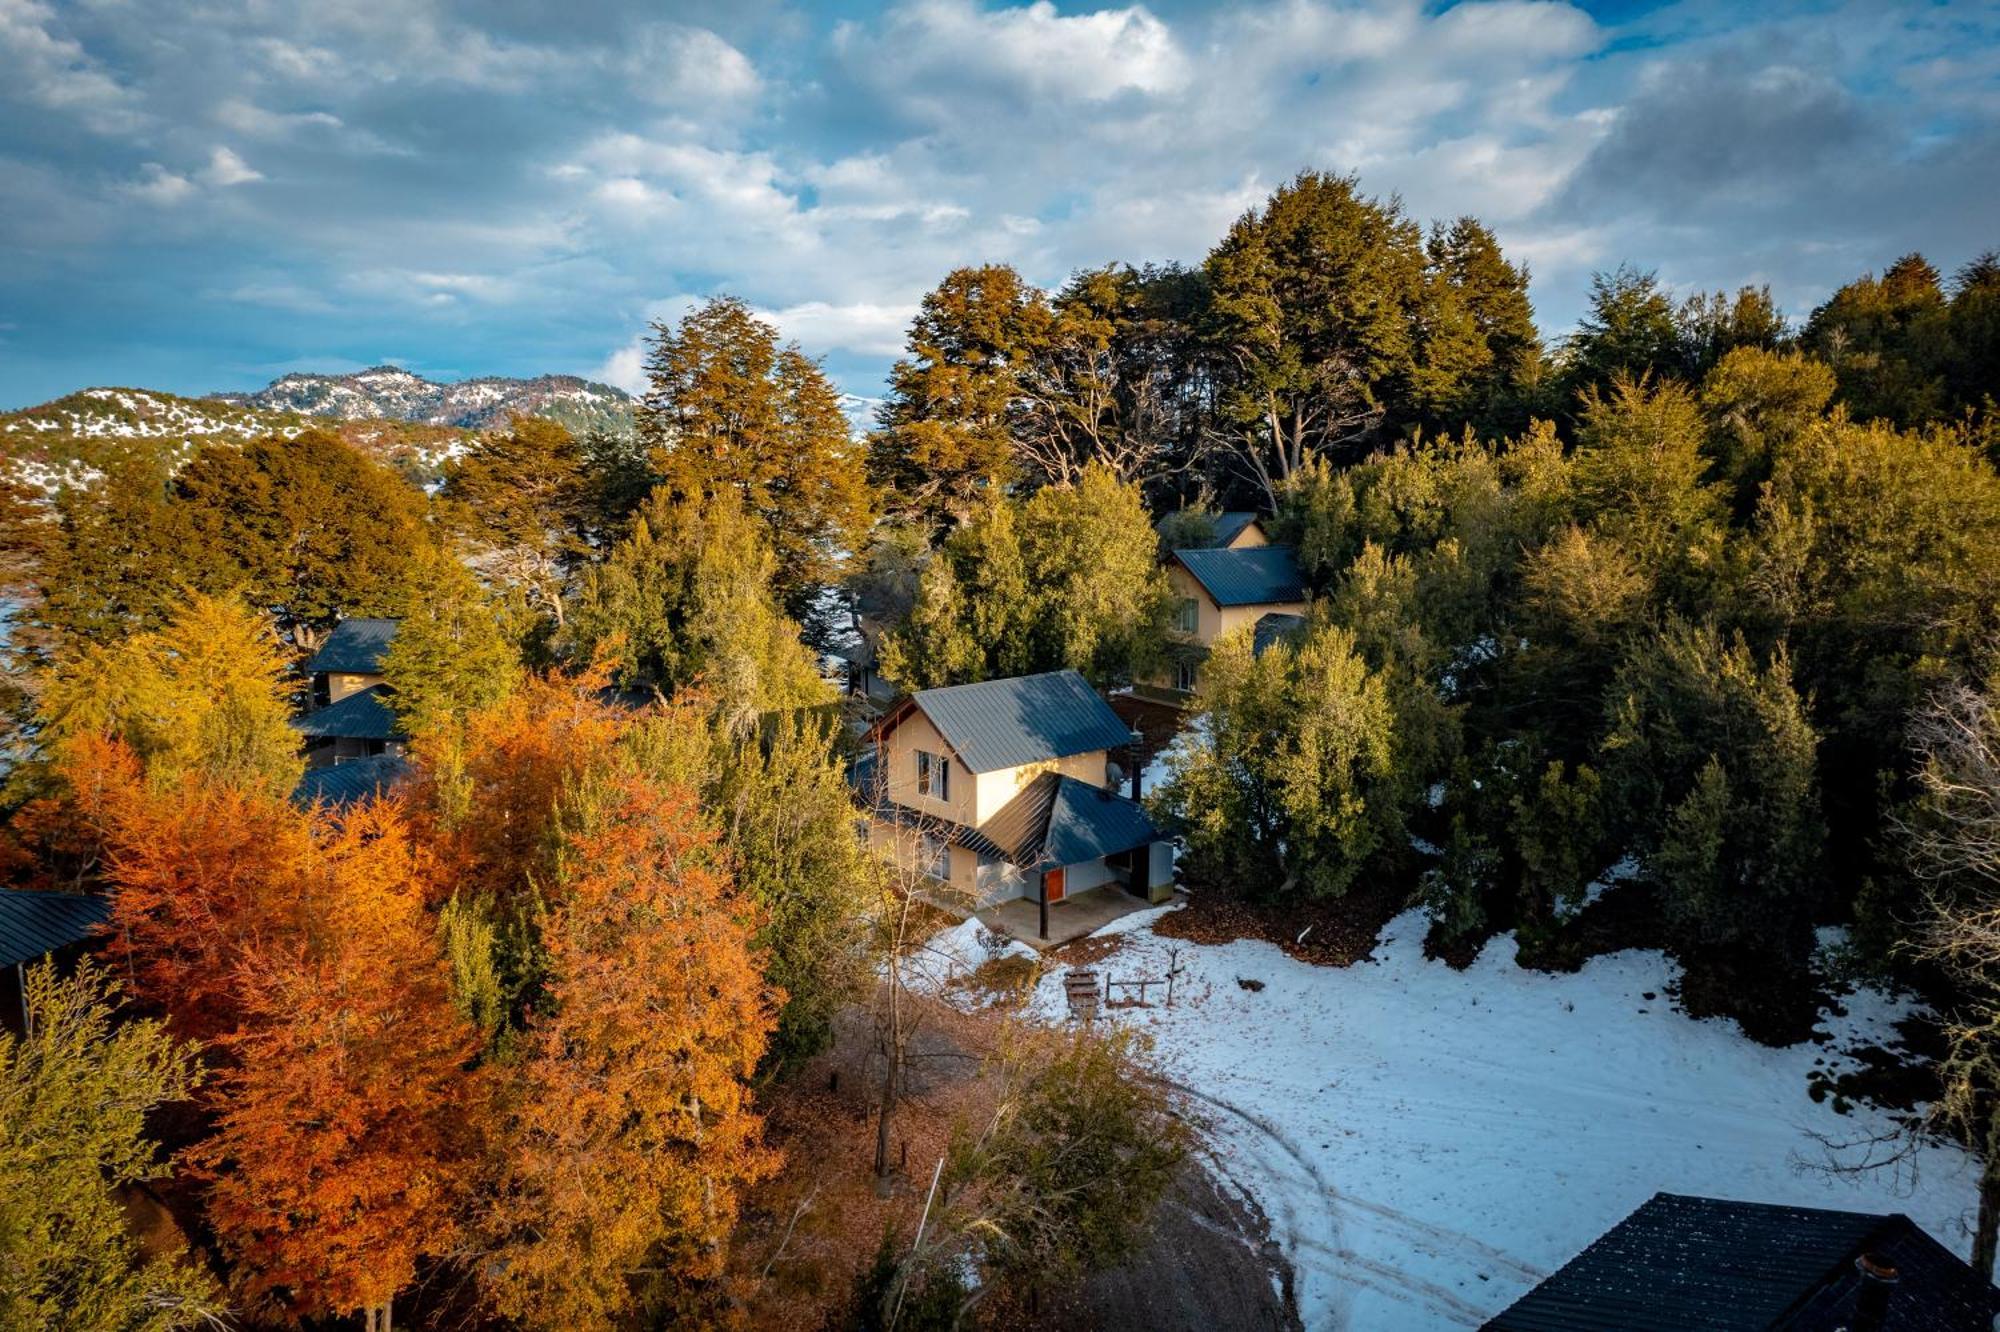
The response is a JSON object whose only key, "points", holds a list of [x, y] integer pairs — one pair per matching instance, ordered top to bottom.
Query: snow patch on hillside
{"points": [[1430, 1143]]}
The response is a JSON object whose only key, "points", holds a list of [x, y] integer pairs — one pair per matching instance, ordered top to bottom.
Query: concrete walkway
{"points": [[1071, 918]]}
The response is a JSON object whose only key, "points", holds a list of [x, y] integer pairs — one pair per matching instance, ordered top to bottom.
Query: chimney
{"points": [[1871, 1298]]}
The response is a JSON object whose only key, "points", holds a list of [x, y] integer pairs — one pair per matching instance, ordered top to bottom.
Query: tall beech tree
{"points": [[728, 408], [520, 500], [308, 528], [452, 653], [205, 695], [346, 1117], [626, 1132]]}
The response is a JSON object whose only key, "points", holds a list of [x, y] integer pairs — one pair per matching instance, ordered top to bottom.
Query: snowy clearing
{"points": [[1429, 1143]]}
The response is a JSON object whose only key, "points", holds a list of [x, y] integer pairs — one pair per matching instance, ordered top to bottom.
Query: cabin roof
{"points": [[1229, 525], [1258, 576], [1274, 628], [355, 647], [362, 715], [999, 724], [342, 784], [1058, 820], [35, 924], [1682, 1262]]}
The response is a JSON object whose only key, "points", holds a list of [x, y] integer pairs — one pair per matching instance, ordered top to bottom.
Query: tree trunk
{"points": [[883, 1117], [1987, 1233]]}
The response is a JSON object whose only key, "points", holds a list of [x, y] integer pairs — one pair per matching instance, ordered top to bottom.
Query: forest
{"points": [[1681, 630]]}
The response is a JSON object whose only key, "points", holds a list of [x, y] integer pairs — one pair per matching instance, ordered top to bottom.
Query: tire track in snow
{"points": [[1328, 1258]]}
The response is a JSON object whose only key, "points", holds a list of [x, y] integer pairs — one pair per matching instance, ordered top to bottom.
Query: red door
{"points": [[1052, 885]]}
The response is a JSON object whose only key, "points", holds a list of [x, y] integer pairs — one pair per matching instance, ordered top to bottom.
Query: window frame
{"points": [[1187, 616], [933, 775]]}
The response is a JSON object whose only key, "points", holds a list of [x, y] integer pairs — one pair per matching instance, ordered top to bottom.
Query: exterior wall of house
{"points": [[1251, 535], [1213, 621], [339, 686], [899, 763], [994, 789], [904, 844]]}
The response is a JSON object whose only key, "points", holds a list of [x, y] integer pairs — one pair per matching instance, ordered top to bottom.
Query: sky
{"points": [[198, 195]]}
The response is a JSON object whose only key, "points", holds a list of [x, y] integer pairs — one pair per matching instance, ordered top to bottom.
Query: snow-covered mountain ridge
{"points": [[389, 392]]}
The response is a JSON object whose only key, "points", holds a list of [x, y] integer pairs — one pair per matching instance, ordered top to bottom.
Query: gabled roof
{"points": [[1229, 525], [1257, 576], [1275, 628], [355, 647], [362, 715], [1026, 719], [344, 783], [1058, 820], [35, 924], [1683, 1262]]}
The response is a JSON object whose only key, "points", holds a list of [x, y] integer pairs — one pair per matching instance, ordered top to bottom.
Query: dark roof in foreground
{"points": [[1229, 525], [1258, 576], [1277, 627], [355, 647], [363, 715], [1026, 719], [344, 783], [1058, 820], [34, 924], [1681, 1262]]}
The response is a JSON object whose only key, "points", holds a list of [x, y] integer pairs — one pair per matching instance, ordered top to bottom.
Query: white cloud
{"points": [[693, 68], [57, 73], [246, 117], [225, 168], [157, 185], [864, 328]]}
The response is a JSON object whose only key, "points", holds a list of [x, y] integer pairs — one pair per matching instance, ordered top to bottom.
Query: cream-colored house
{"points": [[1233, 529], [1217, 591], [350, 717], [1006, 789]]}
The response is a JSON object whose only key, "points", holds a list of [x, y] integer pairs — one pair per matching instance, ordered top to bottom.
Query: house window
{"points": [[1188, 619], [1184, 673], [933, 775], [936, 853]]}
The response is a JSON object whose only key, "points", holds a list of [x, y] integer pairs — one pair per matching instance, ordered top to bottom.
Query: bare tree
{"points": [[1954, 844]]}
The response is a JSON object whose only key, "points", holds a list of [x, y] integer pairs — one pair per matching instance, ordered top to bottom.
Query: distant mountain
{"points": [[389, 393], [74, 438]]}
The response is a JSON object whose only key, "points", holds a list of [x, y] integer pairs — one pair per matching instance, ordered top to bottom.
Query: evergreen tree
{"points": [[1313, 306], [1632, 331], [728, 408], [944, 437], [519, 499], [308, 528], [1100, 603], [452, 653], [74, 1096]]}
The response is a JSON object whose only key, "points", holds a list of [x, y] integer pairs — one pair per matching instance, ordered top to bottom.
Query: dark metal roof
{"points": [[1227, 527], [1257, 576], [1277, 627], [355, 647], [363, 715], [1027, 719], [344, 783], [1058, 820], [35, 924], [1682, 1262]]}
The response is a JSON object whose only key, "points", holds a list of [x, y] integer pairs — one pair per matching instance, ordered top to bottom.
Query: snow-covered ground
{"points": [[1429, 1143]]}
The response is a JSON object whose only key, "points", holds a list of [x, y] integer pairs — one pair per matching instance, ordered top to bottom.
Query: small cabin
{"points": [[1232, 529], [1218, 591], [350, 718], [1007, 790], [35, 926]]}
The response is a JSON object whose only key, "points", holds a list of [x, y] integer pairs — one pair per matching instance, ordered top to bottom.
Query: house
{"points": [[1234, 529], [1217, 592], [350, 660], [350, 717], [1006, 791], [38, 925], [1684, 1262]]}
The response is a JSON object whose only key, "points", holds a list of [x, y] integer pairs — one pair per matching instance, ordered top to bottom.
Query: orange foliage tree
{"points": [[347, 1119], [627, 1132]]}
